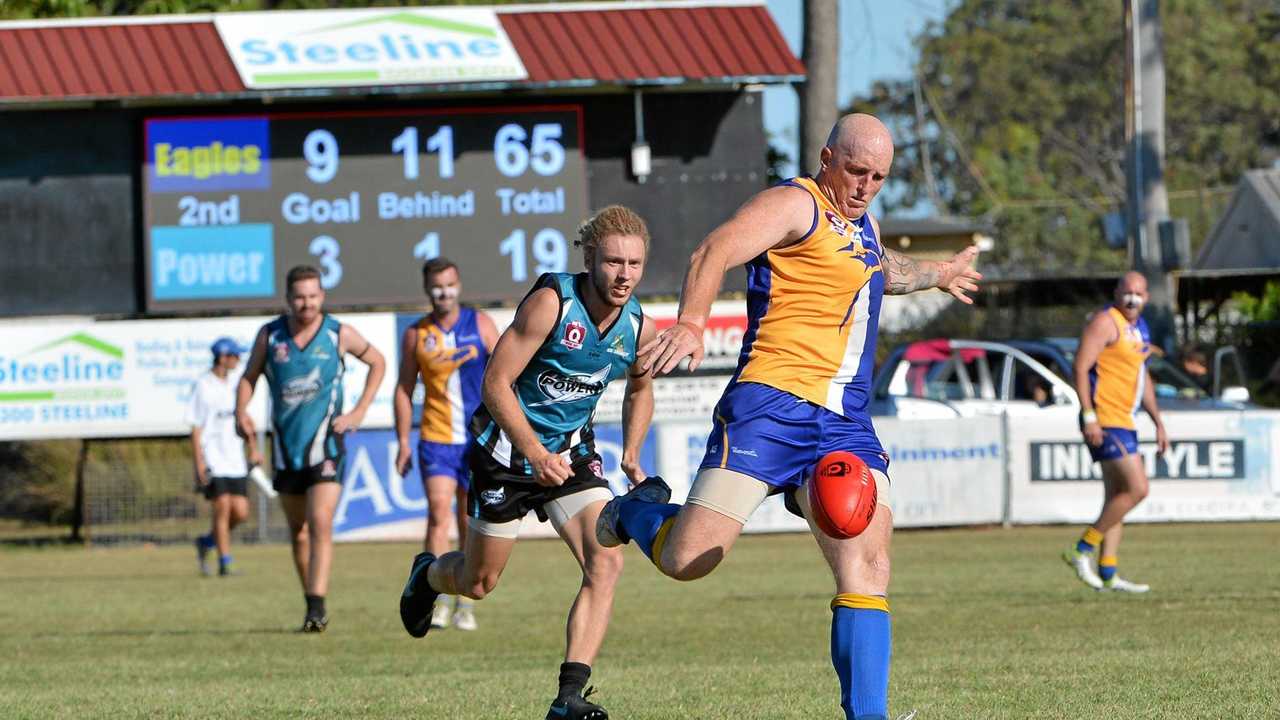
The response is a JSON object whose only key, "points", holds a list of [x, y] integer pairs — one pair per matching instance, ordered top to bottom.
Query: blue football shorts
{"points": [[778, 438], [1116, 443], [447, 459]]}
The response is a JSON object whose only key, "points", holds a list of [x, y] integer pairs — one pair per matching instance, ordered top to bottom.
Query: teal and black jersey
{"points": [[562, 383], [306, 394]]}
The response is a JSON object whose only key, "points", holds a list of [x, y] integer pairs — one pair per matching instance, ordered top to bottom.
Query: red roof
{"points": [[611, 44]]}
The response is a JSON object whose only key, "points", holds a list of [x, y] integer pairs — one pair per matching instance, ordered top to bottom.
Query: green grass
{"points": [[988, 624]]}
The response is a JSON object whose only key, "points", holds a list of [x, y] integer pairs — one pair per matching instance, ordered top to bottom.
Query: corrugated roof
{"points": [[591, 44]]}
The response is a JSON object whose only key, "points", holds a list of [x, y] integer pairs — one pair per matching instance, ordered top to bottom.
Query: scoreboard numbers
{"points": [[231, 203]]}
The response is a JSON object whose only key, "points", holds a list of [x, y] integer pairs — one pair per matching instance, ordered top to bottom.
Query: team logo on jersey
{"points": [[839, 225], [574, 333], [429, 342], [618, 346], [282, 352], [559, 388], [300, 390], [596, 468], [328, 469], [493, 497]]}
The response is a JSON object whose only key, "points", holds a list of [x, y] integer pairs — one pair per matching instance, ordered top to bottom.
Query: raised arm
{"points": [[775, 217], [904, 274], [534, 320], [1098, 333], [351, 341], [248, 381], [402, 401], [637, 409]]}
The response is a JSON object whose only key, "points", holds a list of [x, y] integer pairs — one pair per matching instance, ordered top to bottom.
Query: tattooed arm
{"points": [[904, 274]]}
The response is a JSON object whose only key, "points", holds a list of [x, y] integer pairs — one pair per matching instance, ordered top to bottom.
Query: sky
{"points": [[875, 44]]}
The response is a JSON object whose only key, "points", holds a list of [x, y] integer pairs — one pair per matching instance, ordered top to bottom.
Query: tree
{"points": [[818, 111], [1020, 118]]}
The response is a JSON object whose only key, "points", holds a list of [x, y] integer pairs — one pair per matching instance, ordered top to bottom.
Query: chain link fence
{"points": [[112, 491]]}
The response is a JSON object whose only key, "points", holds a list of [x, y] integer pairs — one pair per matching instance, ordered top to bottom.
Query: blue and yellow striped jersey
{"points": [[813, 311]]}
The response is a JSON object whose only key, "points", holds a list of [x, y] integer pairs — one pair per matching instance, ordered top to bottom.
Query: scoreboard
{"points": [[232, 202]]}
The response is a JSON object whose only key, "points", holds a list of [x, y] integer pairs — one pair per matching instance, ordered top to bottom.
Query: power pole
{"points": [[821, 55], [1148, 203]]}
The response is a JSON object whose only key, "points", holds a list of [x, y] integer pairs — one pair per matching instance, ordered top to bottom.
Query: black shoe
{"points": [[418, 598], [314, 623], [576, 707]]}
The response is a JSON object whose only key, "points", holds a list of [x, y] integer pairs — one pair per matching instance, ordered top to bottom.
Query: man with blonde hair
{"points": [[534, 448]]}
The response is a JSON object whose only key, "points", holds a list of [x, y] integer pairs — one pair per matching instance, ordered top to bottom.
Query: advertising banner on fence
{"points": [[134, 378], [682, 396], [1219, 466], [943, 472], [379, 504]]}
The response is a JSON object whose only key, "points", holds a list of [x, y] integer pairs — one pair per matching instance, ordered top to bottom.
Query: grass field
{"points": [[987, 623]]}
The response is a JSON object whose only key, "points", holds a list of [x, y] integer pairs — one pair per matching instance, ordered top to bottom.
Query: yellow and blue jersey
{"points": [[813, 311], [451, 362], [1119, 377]]}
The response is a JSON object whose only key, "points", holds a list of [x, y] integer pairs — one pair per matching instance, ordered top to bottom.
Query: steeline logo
{"points": [[369, 47], [207, 154], [76, 367], [560, 389], [1218, 459]]}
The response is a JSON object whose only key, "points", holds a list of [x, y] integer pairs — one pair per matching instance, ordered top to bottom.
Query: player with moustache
{"points": [[816, 273], [302, 355], [534, 447]]}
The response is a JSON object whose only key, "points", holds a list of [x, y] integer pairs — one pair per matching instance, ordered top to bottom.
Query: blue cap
{"points": [[227, 346]]}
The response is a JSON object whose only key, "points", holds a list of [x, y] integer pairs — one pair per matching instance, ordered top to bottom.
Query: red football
{"points": [[842, 494]]}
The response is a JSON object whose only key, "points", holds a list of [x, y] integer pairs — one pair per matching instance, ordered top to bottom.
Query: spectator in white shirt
{"points": [[219, 453]]}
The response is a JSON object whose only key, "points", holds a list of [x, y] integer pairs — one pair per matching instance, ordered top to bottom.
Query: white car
{"points": [[965, 378]]}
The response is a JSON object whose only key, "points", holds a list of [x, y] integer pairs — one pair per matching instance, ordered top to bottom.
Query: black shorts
{"points": [[297, 482], [225, 486], [499, 495]]}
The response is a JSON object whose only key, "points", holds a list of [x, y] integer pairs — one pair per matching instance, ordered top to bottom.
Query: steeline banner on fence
{"points": [[133, 378]]}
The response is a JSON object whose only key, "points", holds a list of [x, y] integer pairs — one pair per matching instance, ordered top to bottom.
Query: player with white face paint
{"points": [[449, 348], [1112, 381], [534, 445]]}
